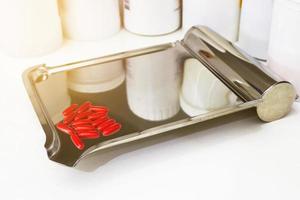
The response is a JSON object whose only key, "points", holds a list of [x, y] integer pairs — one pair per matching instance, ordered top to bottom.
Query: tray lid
{"points": [[244, 75]]}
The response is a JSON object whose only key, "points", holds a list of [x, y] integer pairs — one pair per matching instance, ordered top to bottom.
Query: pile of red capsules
{"points": [[87, 122]]}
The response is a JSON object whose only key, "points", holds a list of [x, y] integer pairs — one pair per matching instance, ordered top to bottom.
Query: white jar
{"points": [[220, 15], [152, 17], [256, 17], [90, 20], [29, 27], [284, 53], [97, 78], [153, 84], [201, 91]]}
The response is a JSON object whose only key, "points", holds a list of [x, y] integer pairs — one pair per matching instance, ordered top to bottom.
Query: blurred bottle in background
{"points": [[220, 15], [152, 17], [90, 20], [255, 24], [30, 28], [284, 53]]}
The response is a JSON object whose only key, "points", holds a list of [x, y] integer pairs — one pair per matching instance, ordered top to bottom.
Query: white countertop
{"points": [[238, 159]]}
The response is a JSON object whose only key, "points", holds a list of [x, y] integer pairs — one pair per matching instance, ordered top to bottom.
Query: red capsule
{"points": [[84, 107], [99, 109], [70, 110], [103, 112], [69, 115], [83, 115], [95, 116], [69, 119], [99, 121], [82, 122], [105, 124], [64, 128], [84, 128], [111, 129], [82, 131], [89, 135], [77, 141]]}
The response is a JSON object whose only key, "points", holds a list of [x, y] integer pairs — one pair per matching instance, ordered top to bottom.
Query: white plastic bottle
{"points": [[220, 15], [152, 17], [90, 20], [255, 24], [29, 27], [284, 54], [153, 84]]}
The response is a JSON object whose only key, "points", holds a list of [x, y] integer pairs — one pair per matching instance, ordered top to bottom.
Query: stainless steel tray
{"points": [[51, 92]]}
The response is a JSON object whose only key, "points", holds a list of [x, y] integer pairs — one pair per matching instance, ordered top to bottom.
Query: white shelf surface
{"points": [[80, 50], [241, 159]]}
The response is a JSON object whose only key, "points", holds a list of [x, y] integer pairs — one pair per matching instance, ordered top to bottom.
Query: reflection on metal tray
{"points": [[151, 91]]}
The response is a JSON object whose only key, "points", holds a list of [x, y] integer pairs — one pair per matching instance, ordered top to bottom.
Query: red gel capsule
{"points": [[84, 107], [99, 109], [70, 110], [103, 112], [69, 115], [83, 115], [95, 116], [69, 119], [99, 121], [82, 122], [105, 124], [64, 128], [84, 128], [111, 129], [90, 131], [89, 135], [77, 141]]}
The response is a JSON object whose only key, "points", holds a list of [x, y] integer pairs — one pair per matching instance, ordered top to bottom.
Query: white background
{"points": [[241, 158]]}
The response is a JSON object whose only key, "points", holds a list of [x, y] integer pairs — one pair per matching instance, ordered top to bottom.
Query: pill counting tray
{"points": [[52, 90]]}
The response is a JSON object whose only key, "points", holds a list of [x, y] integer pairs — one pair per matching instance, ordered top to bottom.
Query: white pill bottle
{"points": [[220, 15], [152, 17], [90, 20], [255, 25], [29, 27], [284, 54]]}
